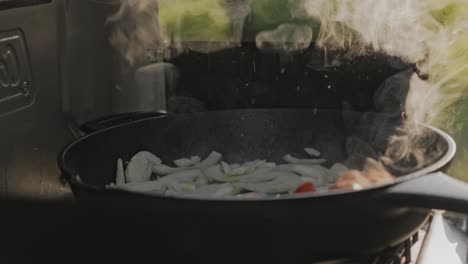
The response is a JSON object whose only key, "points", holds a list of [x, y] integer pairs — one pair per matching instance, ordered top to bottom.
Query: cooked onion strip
{"points": [[312, 152], [212, 159], [290, 159], [185, 162], [140, 167], [120, 174], [213, 178], [283, 183], [154, 187]]}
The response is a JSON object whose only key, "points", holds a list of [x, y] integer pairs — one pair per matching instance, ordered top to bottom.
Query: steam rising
{"points": [[362, 26], [136, 30], [153, 30], [433, 34], [285, 38]]}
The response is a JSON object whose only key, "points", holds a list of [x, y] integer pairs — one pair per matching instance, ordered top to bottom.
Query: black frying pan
{"points": [[277, 230]]}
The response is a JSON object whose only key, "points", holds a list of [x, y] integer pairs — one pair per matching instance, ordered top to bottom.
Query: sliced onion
{"points": [[312, 152], [212, 159], [290, 159], [185, 162], [234, 165], [269, 165], [140, 167], [226, 167], [162, 169], [242, 170], [214, 173], [316, 173], [120, 175], [260, 175], [213, 178], [202, 180], [283, 183], [154, 187], [215, 191]]}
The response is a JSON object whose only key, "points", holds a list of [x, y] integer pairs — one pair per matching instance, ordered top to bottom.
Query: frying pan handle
{"points": [[113, 120], [433, 191]]}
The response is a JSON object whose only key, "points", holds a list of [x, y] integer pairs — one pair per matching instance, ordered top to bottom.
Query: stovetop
{"points": [[442, 239]]}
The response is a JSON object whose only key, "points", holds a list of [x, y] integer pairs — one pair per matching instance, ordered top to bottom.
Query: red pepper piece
{"points": [[305, 187]]}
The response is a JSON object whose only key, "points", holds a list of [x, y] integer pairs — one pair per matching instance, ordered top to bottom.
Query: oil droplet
{"points": [[283, 70], [326, 76], [329, 86]]}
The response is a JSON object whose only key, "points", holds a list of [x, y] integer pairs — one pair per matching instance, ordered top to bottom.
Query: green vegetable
{"points": [[268, 14], [447, 14], [197, 20], [449, 69]]}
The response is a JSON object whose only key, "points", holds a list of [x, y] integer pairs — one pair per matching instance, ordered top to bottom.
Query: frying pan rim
{"points": [[445, 159]]}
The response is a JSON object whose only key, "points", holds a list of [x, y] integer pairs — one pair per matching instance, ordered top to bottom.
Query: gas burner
{"points": [[442, 239], [406, 252], [400, 254]]}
